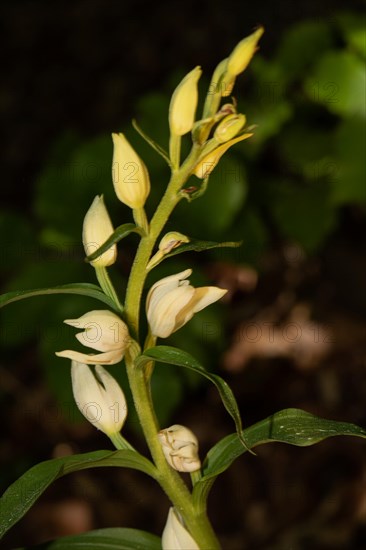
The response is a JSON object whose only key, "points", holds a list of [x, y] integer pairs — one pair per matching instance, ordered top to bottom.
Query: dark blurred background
{"points": [[292, 330]]}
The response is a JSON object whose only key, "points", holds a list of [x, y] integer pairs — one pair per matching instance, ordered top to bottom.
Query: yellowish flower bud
{"points": [[239, 59], [183, 104], [229, 127], [208, 163], [130, 176], [97, 228], [171, 240], [172, 302], [103, 331], [99, 397], [180, 447], [175, 536]]}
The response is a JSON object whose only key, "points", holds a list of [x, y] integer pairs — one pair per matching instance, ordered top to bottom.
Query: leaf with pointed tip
{"points": [[152, 143], [118, 234], [199, 246], [83, 289], [180, 358], [292, 426], [24, 492], [111, 538]]}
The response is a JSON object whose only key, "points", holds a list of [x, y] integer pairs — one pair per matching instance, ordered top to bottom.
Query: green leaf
{"points": [[354, 30], [301, 45], [339, 83], [152, 143], [348, 181], [310, 224], [118, 234], [199, 246], [83, 289], [180, 358], [292, 426], [24, 492], [112, 538]]}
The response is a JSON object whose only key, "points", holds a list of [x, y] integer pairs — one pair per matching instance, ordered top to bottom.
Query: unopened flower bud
{"points": [[239, 59], [183, 104], [229, 127], [208, 163], [130, 176], [97, 228], [171, 240], [172, 302], [103, 331], [99, 397], [180, 447], [175, 536]]}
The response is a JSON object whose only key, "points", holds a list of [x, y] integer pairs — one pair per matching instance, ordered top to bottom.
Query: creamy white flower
{"points": [[183, 104], [130, 176], [97, 228], [172, 302], [103, 331], [99, 397], [180, 447], [175, 536]]}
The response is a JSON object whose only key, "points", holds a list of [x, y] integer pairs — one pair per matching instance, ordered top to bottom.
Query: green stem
{"points": [[174, 150], [167, 204], [140, 218], [107, 286], [120, 442], [171, 482]]}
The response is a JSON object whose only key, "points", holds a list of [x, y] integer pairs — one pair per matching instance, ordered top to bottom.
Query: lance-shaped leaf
{"points": [[152, 143], [118, 234], [193, 245], [199, 246], [83, 289], [174, 356], [292, 426], [24, 492], [111, 538]]}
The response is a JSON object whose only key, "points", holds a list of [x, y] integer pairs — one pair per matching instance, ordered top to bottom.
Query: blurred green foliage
{"points": [[304, 163]]}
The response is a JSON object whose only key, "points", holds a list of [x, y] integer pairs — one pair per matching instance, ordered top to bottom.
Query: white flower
{"points": [[130, 176], [97, 228], [172, 302], [103, 331], [99, 397], [180, 447], [175, 535]]}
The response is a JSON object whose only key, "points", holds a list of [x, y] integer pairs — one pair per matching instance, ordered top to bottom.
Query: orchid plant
{"points": [[112, 334]]}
